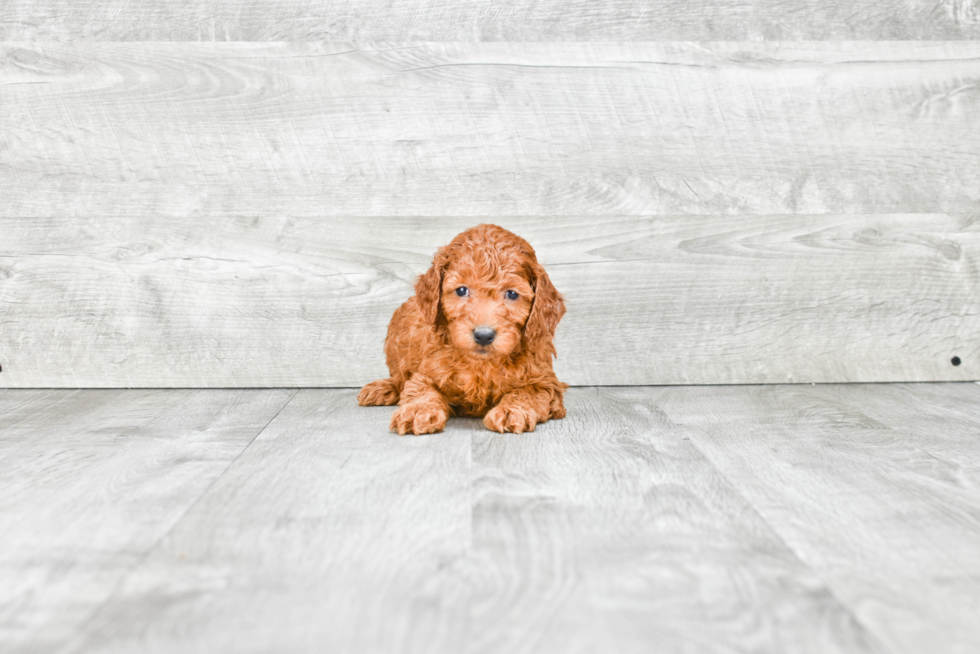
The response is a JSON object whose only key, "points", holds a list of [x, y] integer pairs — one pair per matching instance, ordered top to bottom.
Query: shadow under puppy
{"points": [[476, 339]]}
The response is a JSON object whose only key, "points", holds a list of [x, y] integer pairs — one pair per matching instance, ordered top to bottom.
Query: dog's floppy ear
{"points": [[428, 288], [547, 310]]}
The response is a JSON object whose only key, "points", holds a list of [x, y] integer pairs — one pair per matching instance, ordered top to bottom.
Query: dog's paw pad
{"points": [[378, 393], [510, 419]]}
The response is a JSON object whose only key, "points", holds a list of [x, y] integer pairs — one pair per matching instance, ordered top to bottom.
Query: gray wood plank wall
{"points": [[487, 20], [333, 130], [726, 211], [305, 301]]}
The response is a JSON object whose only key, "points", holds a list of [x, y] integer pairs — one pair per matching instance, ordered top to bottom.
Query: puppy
{"points": [[476, 339]]}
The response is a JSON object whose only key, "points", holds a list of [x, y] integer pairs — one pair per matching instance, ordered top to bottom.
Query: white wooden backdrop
{"points": [[487, 20], [726, 211]]}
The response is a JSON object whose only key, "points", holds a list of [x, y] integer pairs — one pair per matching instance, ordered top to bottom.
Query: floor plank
{"points": [[940, 421], [846, 475], [89, 483], [692, 519], [601, 531], [609, 532], [329, 535]]}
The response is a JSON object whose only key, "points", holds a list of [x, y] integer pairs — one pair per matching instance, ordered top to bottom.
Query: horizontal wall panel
{"points": [[487, 20], [504, 129], [292, 301]]}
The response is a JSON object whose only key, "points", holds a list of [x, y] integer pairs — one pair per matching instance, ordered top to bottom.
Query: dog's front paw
{"points": [[378, 393], [557, 408], [418, 418], [513, 418]]}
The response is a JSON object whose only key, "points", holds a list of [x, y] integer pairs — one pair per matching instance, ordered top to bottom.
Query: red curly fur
{"points": [[437, 367]]}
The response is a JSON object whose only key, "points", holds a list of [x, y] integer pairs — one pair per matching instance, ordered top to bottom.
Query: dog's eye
{"points": [[462, 291], [512, 295]]}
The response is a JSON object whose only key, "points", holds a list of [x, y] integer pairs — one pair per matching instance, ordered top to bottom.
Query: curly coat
{"points": [[486, 284]]}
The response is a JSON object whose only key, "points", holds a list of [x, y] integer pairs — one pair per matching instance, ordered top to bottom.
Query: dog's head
{"points": [[489, 295]]}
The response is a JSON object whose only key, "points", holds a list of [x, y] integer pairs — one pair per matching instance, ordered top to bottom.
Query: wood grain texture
{"points": [[483, 20], [501, 129], [657, 300], [934, 421], [90, 481], [875, 507], [700, 519], [602, 532], [610, 532], [329, 535]]}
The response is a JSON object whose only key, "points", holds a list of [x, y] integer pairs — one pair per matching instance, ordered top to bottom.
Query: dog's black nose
{"points": [[484, 335]]}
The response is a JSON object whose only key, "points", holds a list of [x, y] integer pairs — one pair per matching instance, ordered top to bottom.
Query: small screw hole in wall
{"points": [[955, 361]]}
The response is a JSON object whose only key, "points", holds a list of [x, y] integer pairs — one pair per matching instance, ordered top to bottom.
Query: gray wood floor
{"points": [[677, 519]]}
